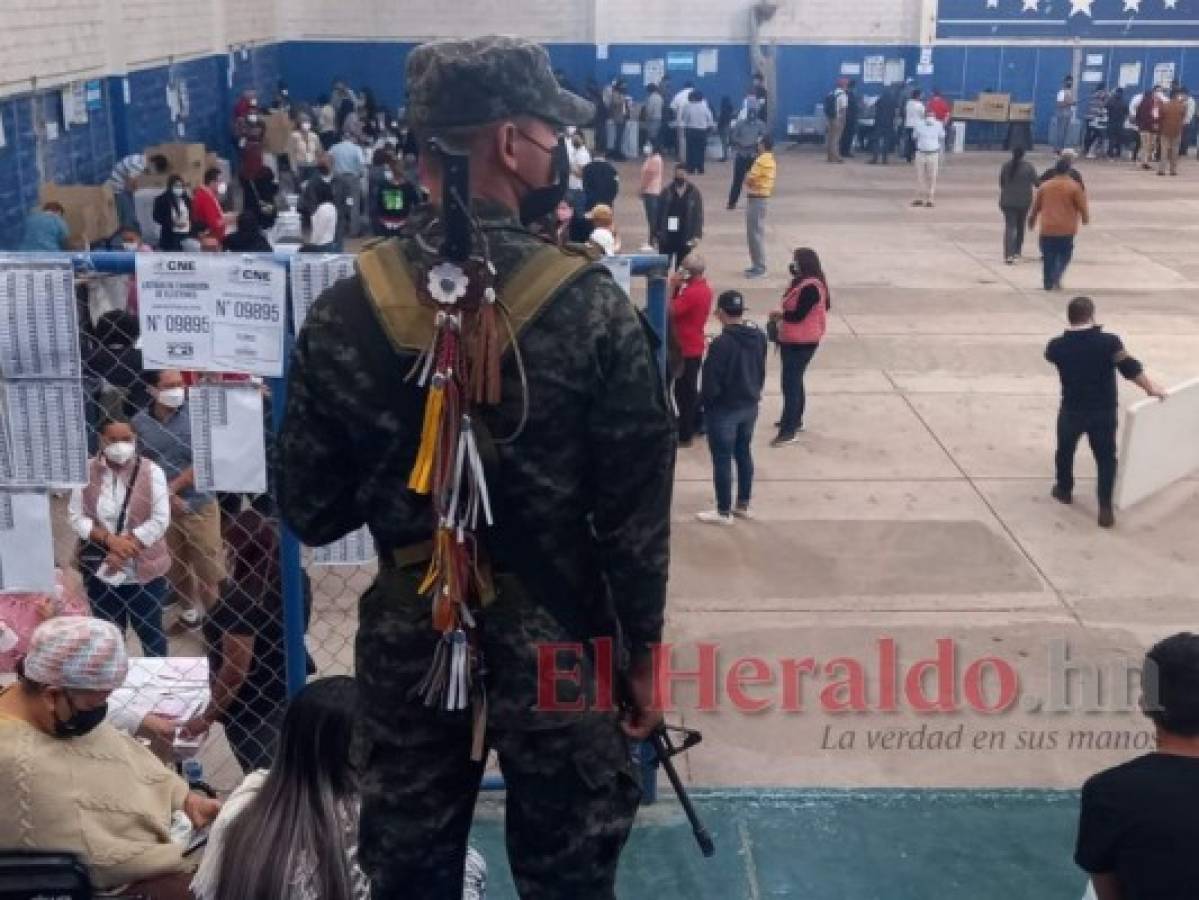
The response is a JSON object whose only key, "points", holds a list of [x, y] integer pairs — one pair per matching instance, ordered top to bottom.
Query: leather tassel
{"points": [[485, 364], [479, 475], [421, 479], [478, 731]]}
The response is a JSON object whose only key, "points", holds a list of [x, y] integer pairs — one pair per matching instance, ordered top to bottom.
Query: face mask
{"points": [[251, 118], [305, 126], [389, 176], [222, 189], [177, 190], [543, 201], [130, 246], [172, 397], [120, 452], [81, 722]]}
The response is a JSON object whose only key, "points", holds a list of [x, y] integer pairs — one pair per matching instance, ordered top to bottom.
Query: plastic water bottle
{"points": [[193, 771]]}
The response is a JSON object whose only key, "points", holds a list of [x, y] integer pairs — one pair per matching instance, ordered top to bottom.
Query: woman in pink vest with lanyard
{"points": [[801, 324], [121, 518]]}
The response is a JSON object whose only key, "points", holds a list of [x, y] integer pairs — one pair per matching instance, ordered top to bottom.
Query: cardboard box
{"points": [[993, 107], [965, 109], [1021, 112], [278, 132], [187, 161], [91, 210]]}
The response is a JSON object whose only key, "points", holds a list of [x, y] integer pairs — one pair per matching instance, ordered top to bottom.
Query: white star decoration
{"points": [[992, 4], [1171, 4], [1031, 6], [1133, 6], [1084, 7]]}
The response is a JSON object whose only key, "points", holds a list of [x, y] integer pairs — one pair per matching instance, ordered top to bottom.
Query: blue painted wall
{"points": [[85, 154]]}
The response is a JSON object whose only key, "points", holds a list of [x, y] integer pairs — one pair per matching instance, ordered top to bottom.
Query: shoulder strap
{"points": [[408, 323]]}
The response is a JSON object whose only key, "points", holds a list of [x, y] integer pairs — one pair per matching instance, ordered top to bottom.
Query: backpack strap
{"points": [[408, 323]]}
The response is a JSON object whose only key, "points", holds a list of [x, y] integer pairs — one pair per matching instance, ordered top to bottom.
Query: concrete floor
{"points": [[916, 505]]}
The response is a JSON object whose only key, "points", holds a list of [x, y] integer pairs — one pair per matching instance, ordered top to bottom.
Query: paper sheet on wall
{"points": [[601, 51], [1094, 59], [707, 61], [630, 68], [851, 68], [874, 68], [653, 71], [894, 71], [1130, 74], [1163, 74], [1092, 76], [52, 131], [3, 139], [621, 268], [310, 277], [212, 313], [39, 330], [44, 426], [228, 446], [26, 542], [355, 549]]}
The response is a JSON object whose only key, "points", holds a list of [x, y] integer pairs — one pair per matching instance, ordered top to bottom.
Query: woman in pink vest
{"points": [[801, 325], [121, 517]]}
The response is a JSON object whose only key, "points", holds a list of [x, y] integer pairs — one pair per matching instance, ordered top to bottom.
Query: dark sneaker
{"points": [[785, 438], [1061, 496], [1107, 518]]}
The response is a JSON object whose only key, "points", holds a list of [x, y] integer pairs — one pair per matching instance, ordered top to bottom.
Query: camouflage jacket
{"points": [[582, 496]]}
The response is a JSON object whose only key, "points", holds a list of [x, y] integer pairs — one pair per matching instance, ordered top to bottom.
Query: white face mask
{"points": [[252, 118], [305, 126], [222, 189], [177, 191], [130, 245], [172, 397], [120, 452]]}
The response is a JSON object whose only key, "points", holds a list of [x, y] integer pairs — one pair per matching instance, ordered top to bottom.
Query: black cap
{"points": [[731, 303]]}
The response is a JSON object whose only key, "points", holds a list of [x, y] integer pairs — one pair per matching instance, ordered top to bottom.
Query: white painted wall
{"points": [[57, 41]]}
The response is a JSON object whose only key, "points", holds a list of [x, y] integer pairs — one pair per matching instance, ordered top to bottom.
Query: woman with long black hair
{"points": [[173, 213], [801, 321], [291, 832]]}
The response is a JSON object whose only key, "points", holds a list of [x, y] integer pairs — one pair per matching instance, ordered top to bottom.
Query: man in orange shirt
{"points": [[1173, 120], [1061, 204]]}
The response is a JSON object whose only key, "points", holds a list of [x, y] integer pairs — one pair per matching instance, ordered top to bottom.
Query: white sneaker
{"points": [[742, 513], [713, 517], [190, 617]]}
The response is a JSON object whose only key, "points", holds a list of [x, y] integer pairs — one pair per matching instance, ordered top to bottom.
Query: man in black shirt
{"points": [[601, 183], [680, 218], [1087, 359], [1137, 829]]}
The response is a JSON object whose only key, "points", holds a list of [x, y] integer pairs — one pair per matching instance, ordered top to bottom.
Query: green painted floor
{"points": [[850, 845]]}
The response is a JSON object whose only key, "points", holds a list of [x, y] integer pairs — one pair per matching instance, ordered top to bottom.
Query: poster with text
{"points": [[212, 313]]}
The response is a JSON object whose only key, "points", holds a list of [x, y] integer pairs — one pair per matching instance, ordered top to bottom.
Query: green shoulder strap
{"points": [[408, 323]]}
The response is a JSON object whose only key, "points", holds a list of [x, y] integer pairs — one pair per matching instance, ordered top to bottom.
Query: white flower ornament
{"points": [[447, 283]]}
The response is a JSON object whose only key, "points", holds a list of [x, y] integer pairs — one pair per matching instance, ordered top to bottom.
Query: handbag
{"points": [[93, 554]]}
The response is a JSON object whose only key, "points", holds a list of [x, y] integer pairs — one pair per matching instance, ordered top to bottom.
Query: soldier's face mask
{"points": [[542, 200]]}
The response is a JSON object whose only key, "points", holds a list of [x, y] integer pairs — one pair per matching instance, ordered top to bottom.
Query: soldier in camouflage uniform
{"points": [[580, 545]]}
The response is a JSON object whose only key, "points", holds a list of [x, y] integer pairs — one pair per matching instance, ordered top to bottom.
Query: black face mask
{"points": [[679, 180], [543, 201], [81, 722]]}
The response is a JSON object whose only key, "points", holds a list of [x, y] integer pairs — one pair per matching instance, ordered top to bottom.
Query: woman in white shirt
{"points": [[697, 121], [322, 237], [122, 516]]}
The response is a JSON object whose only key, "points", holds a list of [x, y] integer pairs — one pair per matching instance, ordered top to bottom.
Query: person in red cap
{"points": [[72, 782]]}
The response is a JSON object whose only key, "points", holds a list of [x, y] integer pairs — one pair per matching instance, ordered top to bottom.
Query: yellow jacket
{"points": [[759, 182]]}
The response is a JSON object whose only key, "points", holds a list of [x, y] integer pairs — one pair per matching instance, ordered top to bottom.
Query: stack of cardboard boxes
{"points": [[990, 107]]}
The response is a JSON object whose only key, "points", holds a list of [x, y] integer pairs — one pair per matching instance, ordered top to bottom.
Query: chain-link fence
{"points": [[174, 535]]}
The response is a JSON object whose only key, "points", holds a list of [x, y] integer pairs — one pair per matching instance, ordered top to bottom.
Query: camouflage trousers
{"points": [[571, 789]]}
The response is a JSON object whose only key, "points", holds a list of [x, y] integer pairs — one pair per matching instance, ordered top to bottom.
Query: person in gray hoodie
{"points": [[1017, 184], [733, 375]]}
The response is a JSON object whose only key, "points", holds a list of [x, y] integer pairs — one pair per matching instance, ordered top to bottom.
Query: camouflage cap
{"points": [[452, 84]]}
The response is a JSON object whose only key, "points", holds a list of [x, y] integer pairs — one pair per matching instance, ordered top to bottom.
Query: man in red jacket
{"points": [[690, 307]]}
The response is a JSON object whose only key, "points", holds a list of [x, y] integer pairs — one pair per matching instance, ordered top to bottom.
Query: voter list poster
{"points": [[313, 275], [218, 313], [39, 331]]}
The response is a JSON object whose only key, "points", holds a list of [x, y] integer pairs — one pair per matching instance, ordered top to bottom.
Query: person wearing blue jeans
{"points": [[1056, 253], [733, 375], [133, 605]]}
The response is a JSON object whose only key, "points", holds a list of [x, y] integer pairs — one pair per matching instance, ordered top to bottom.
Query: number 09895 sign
{"points": [[212, 313]]}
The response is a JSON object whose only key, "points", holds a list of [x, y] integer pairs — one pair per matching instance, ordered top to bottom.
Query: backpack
{"points": [[830, 105]]}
